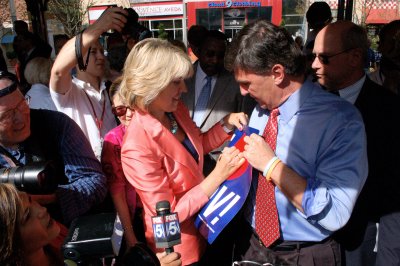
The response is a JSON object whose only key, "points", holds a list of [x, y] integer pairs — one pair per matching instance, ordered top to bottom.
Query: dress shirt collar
{"points": [[200, 74], [200, 81], [89, 88], [351, 92], [291, 106]]}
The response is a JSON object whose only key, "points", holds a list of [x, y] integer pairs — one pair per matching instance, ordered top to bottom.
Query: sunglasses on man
{"points": [[324, 59]]}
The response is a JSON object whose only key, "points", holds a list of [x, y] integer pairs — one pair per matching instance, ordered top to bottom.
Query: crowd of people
{"points": [[145, 122]]}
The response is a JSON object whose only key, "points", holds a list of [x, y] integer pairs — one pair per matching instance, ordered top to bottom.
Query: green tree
{"points": [[70, 13], [162, 33]]}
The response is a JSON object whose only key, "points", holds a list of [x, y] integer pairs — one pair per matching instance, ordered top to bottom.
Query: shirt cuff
{"points": [[226, 129]]}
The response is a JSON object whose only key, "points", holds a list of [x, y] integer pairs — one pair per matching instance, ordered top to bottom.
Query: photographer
{"points": [[83, 98], [33, 136]]}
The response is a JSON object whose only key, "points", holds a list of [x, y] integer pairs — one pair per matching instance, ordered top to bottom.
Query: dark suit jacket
{"points": [[225, 98], [380, 110]]}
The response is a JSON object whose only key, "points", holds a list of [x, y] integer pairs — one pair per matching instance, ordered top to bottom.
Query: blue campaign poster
{"points": [[229, 197]]}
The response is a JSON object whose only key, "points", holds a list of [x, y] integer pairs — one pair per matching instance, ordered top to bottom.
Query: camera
{"points": [[132, 21], [133, 28], [34, 178], [100, 235]]}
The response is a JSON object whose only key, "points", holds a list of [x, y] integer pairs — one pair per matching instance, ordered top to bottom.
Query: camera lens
{"points": [[35, 178]]}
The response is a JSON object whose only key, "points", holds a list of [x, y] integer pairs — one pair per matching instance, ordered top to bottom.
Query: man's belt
{"points": [[280, 245], [292, 245]]}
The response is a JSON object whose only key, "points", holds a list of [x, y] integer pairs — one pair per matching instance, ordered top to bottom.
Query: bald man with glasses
{"points": [[340, 51]]}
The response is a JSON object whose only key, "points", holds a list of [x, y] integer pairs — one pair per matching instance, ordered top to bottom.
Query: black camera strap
{"points": [[78, 52], [9, 158]]}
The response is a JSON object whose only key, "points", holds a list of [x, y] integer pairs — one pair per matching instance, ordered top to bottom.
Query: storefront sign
{"points": [[230, 3], [158, 10], [143, 11]]}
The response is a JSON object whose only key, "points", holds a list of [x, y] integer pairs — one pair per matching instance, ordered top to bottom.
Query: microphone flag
{"points": [[225, 203]]}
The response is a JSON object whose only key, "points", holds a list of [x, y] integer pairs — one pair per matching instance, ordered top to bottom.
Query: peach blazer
{"points": [[160, 168]]}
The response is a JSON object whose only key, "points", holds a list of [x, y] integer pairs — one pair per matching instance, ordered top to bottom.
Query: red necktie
{"points": [[267, 224]]}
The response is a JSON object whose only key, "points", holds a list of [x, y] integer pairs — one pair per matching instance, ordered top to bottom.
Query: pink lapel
{"points": [[169, 144]]}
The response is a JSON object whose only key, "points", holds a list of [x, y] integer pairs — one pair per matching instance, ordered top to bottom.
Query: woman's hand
{"points": [[237, 120], [228, 162], [172, 259]]}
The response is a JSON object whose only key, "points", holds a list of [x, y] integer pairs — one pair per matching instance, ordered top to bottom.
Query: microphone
{"points": [[167, 232]]}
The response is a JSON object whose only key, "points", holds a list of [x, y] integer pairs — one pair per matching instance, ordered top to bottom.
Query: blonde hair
{"points": [[151, 65], [38, 71], [114, 88], [10, 213]]}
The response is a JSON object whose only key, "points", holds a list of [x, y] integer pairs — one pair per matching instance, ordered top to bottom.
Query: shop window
{"points": [[258, 12], [202, 17], [210, 18], [234, 18], [178, 23], [168, 24], [173, 28], [170, 34], [179, 34]]}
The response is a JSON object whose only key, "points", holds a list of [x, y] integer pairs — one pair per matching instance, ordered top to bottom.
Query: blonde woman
{"points": [[162, 153]]}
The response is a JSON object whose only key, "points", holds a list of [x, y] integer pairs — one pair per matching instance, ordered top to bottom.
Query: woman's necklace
{"points": [[174, 124]]}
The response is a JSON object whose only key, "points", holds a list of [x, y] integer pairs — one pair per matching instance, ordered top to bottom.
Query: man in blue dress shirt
{"points": [[29, 136], [319, 165]]}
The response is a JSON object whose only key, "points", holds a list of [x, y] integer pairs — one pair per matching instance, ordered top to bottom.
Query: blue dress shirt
{"points": [[322, 138]]}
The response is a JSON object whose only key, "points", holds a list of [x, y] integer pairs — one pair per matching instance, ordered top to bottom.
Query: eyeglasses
{"points": [[324, 59], [8, 75], [14, 83], [120, 110], [7, 117], [250, 263]]}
